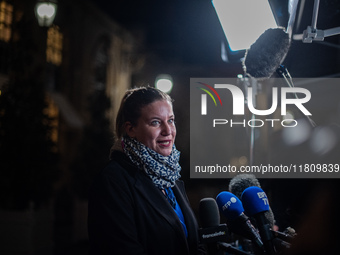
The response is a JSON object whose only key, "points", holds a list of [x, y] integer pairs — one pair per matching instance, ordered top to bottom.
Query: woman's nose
{"points": [[166, 129]]}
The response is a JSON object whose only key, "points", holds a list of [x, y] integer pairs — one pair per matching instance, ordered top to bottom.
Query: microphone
{"points": [[266, 54], [242, 181], [256, 203], [232, 208], [212, 233]]}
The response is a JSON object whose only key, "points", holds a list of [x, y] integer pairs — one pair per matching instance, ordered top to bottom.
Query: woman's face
{"points": [[155, 127]]}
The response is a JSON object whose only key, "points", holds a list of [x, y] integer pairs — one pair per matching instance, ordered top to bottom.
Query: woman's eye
{"points": [[171, 121], [155, 123]]}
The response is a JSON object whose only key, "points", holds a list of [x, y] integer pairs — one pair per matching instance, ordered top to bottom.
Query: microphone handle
{"points": [[243, 227], [265, 233], [282, 235], [281, 243], [231, 249]]}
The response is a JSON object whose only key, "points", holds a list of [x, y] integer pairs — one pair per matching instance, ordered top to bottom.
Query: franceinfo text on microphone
{"points": [[267, 128]]}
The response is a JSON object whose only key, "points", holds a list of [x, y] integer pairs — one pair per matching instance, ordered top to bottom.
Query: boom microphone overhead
{"points": [[266, 54]]}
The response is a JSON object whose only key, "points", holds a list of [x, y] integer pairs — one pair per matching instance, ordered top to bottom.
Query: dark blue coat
{"points": [[128, 214]]}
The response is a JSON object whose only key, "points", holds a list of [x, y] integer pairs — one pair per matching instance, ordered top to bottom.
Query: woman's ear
{"points": [[129, 129]]}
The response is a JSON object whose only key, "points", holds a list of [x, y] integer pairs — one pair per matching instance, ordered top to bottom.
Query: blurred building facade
{"points": [[85, 62]]}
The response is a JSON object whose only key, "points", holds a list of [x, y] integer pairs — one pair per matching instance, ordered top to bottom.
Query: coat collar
{"points": [[159, 202], [189, 216]]}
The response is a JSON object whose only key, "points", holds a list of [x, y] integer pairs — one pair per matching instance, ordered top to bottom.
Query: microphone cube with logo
{"points": [[212, 231]]}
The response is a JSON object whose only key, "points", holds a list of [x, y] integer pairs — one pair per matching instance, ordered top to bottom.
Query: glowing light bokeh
{"points": [[46, 10], [164, 83], [297, 135], [323, 140]]}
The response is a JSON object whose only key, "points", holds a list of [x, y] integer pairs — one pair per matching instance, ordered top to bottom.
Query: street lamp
{"points": [[45, 12], [164, 83]]}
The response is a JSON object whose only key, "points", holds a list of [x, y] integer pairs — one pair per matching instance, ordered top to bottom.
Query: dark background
{"points": [[186, 37], [183, 38]]}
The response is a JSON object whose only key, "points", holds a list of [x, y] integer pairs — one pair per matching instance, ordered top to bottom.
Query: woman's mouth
{"points": [[165, 143]]}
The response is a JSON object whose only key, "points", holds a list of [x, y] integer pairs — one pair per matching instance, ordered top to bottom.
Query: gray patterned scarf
{"points": [[163, 170]]}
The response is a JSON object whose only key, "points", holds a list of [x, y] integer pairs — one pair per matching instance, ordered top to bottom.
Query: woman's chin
{"points": [[164, 149], [164, 152]]}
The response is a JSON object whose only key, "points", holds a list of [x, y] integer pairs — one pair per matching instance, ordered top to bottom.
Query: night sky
{"points": [[189, 32]]}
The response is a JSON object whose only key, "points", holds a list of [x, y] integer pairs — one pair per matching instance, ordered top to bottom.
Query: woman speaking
{"points": [[137, 203]]}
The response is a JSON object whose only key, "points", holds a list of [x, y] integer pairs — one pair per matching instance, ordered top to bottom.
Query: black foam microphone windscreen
{"points": [[266, 54], [209, 212]]}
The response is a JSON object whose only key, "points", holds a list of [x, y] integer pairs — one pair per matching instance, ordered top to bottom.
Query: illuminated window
{"points": [[6, 11], [54, 46], [52, 111]]}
